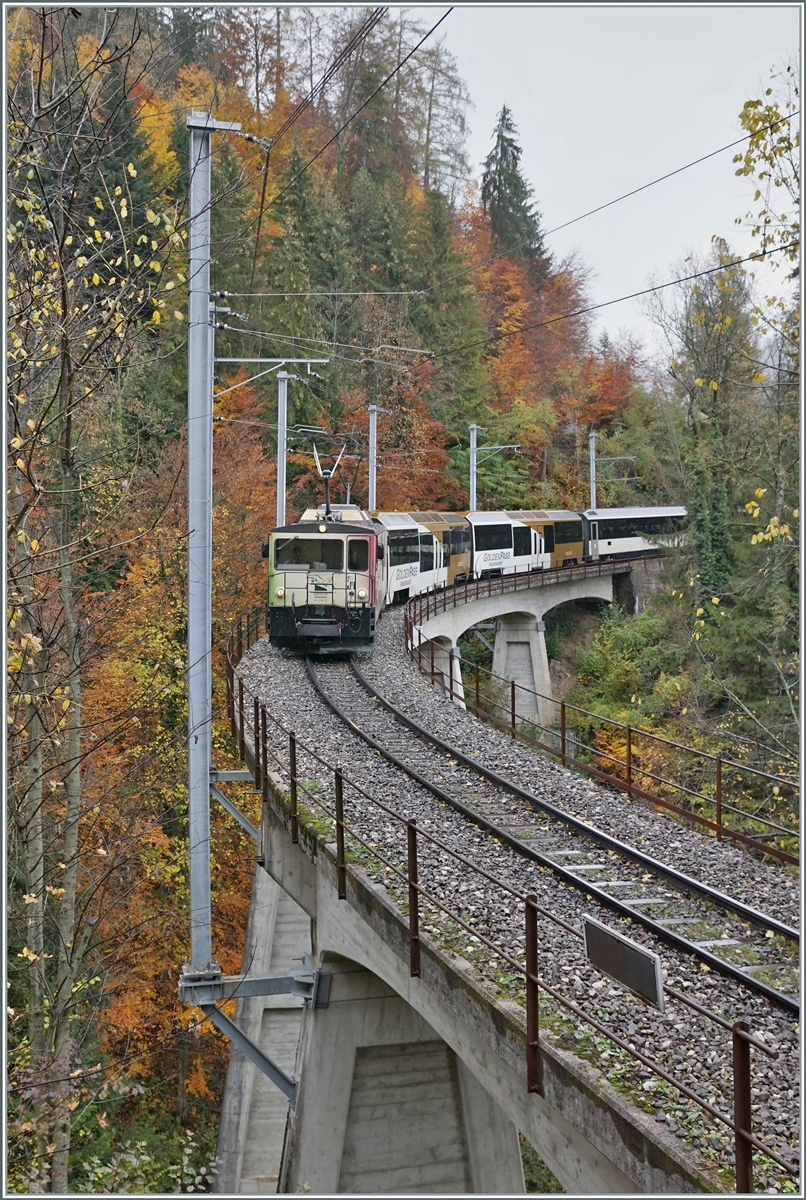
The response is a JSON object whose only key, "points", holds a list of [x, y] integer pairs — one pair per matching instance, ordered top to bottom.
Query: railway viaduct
{"points": [[409, 1084]]}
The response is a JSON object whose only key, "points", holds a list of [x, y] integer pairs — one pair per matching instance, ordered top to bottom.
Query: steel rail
{"points": [[678, 879]]}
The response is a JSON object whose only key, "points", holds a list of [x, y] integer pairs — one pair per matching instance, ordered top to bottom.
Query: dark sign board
{"points": [[625, 961]]}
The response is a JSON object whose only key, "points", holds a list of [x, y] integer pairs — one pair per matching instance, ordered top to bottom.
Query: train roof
{"points": [[338, 512], [543, 514], [625, 514], [490, 518], [396, 520], [438, 520]]}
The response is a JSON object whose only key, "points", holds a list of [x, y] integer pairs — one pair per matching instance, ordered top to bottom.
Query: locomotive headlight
{"points": [[323, 528], [280, 592], [362, 593]]}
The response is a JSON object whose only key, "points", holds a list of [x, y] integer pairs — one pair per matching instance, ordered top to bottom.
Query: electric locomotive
{"points": [[324, 587]]}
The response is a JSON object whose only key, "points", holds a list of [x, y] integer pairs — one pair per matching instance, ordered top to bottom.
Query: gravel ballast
{"points": [[690, 1047]]}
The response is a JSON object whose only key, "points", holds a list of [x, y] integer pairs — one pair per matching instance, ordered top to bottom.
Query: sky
{"points": [[608, 97]]}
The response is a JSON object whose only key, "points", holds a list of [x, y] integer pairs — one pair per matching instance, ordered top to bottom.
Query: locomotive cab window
{"points": [[321, 554], [357, 554]]}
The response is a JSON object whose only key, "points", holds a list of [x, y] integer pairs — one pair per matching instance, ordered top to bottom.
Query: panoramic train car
{"points": [[561, 531], [619, 532], [502, 545], [414, 557], [326, 581]]}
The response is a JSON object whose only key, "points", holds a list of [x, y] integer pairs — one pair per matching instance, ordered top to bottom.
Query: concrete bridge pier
{"points": [[520, 655], [386, 1106]]}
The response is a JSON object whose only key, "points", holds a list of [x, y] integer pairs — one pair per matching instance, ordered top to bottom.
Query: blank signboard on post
{"points": [[625, 961]]}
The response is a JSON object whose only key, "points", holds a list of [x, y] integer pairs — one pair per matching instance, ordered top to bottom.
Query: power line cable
{"points": [[355, 41], [369, 99], [609, 203], [607, 303]]}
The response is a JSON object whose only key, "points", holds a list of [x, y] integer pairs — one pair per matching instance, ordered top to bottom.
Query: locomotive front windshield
{"points": [[318, 554]]}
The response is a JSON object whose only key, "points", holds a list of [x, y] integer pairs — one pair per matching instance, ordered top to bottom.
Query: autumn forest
{"points": [[347, 225]]}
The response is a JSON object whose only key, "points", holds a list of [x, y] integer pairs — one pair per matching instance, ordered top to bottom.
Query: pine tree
{"points": [[506, 196]]}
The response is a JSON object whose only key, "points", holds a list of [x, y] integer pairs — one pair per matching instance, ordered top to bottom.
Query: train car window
{"points": [[595, 529], [567, 531], [493, 537], [548, 538], [461, 539], [522, 539], [403, 548], [304, 552], [426, 552], [357, 554]]}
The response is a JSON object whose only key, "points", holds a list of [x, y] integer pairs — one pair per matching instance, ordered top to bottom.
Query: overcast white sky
{"points": [[608, 97]]}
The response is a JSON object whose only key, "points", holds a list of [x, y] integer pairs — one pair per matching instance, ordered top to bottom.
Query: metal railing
{"points": [[634, 773], [414, 842]]}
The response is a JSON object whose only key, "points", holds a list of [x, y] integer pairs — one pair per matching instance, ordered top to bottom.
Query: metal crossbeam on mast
{"points": [[479, 455]]}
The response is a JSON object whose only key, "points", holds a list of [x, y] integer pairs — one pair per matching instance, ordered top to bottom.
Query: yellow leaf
{"points": [[131, 170], [98, 203], [137, 260], [96, 279], [178, 315], [155, 317], [698, 382], [713, 385], [16, 442], [20, 464], [759, 492], [795, 513], [715, 599], [699, 612], [30, 898], [769, 934]]}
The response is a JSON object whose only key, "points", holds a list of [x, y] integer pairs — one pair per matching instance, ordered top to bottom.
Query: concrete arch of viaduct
{"points": [[520, 643]]}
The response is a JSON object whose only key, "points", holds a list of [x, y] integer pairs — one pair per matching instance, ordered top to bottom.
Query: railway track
{"points": [[727, 936]]}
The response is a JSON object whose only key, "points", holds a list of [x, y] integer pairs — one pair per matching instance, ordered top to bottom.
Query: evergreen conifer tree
{"points": [[507, 196]]}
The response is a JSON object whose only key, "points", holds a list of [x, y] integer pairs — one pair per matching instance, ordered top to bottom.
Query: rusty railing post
{"points": [[431, 643], [450, 671], [478, 706], [512, 706], [562, 732], [241, 742], [264, 744], [629, 760], [292, 770], [258, 772], [719, 797], [341, 869], [414, 899], [532, 1018], [741, 1108]]}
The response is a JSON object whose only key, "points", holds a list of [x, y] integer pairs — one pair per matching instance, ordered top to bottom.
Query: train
{"points": [[332, 572]]}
